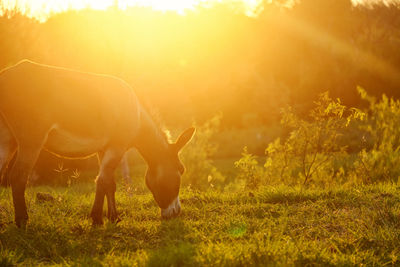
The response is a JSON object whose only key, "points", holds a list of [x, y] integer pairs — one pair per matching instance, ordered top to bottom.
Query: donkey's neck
{"points": [[151, 141]]}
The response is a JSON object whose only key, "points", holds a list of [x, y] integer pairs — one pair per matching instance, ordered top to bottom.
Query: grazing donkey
{"points": [[76, 114]]}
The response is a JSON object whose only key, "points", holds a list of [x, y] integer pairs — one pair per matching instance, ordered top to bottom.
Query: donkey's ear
{"points": [[184, 138]]}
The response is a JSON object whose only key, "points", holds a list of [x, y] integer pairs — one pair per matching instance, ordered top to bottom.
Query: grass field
{"points": [[274, 226]]}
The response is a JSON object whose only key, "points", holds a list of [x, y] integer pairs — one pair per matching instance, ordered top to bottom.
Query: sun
{"points": [[178, 6], [42, 9]]}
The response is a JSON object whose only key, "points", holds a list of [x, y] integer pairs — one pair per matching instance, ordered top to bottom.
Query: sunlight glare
{"points": [[42, 9]]}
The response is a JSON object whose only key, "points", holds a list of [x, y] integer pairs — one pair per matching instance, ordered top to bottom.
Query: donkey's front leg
{"points": [[105, 185]]}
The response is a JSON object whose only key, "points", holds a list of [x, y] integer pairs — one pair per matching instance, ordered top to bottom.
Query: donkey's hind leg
{"points": [[29, 147], [24, 162]]}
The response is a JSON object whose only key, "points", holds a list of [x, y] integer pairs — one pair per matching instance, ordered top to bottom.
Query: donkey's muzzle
{"points": [[172, 210]]}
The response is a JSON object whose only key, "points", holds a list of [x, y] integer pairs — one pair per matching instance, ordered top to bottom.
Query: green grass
{"points": [[271, 226]]}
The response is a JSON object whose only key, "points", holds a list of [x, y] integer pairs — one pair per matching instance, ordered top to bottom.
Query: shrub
{"points": [[313, 146], [312, 150], [381, 161], [249, 169]]}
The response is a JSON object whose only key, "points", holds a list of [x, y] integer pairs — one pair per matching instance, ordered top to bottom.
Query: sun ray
{"points": [[353, 54]]}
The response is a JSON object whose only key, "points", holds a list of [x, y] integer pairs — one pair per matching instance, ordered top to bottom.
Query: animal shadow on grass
{"points": [[174, 248]]}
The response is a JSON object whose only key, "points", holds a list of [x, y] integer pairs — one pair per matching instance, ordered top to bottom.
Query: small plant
{"points": [[249, 169], [61, 170], [75, 175]]}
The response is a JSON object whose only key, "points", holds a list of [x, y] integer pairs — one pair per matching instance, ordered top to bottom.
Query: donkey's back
{"points": [[79, 112]]}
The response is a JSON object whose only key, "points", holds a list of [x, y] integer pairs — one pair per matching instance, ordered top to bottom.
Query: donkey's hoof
{"points": [[114, 219], [97, 221], [21, 222]]}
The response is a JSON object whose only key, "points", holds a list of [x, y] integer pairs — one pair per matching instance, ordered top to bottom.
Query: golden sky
{"points": [[43, 8]]}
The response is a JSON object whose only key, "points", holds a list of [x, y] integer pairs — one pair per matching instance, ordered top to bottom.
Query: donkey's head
{"points": [[164, 177]]}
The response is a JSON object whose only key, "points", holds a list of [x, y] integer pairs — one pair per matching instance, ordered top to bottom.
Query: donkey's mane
{"points": [[158, 122]]}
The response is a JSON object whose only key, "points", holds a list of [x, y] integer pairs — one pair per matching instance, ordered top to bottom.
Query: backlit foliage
{"points": [[312, 147], [316, 150], [381, 162], [249, 169]]}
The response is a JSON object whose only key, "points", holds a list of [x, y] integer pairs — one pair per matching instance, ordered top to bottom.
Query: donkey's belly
{"points": [[66, 144]]}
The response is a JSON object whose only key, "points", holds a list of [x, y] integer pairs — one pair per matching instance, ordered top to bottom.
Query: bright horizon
{"points": [[43, 9]]}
